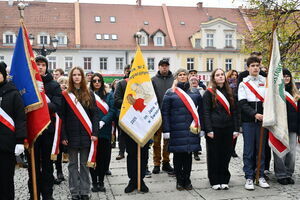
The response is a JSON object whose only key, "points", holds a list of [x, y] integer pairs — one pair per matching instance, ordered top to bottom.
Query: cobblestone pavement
{"points": [[162, 186]]}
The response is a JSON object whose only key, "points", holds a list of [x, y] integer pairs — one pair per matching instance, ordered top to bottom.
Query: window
{"points": [[97, 19], [112, 19], [146, 23], [98, 36], [106, 36], [114, 37], [9, 39], [44, 39], [62, 39], [144, 39], [159, 39], [209, 40], [228, 40], [198, 43], [1, 58], [52, 62], [150, 62], [68, 63], [87, 63], [103, 63], [119, 63], [190, 63], [209, 64], [228, 64]]}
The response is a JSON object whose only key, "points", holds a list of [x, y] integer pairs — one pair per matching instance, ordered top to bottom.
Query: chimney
{"points": [[139, 2], [200, 5]]}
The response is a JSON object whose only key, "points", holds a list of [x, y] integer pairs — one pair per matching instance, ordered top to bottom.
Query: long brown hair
{"points": [[230, 72], [213, 85], [83, 95]]}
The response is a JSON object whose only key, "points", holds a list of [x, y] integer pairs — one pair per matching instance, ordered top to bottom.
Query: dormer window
{"points": [[98, 19], [112, 19], [9, 38], [144, 38], [159, 38], [43, 39], [62, 39]]}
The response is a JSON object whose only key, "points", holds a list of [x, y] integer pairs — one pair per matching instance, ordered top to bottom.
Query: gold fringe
{"points": [[53, 157]]}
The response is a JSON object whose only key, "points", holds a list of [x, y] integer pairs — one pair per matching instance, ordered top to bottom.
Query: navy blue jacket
{"points": [[177, 120]]}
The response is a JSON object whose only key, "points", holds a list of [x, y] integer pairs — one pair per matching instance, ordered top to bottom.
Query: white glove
{"points": [[101, 124], [202, 133], [236, 133], [166, 135], [19, 149]]}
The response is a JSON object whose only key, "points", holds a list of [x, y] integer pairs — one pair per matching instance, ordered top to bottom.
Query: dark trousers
{"points": [[121, 140], [234, 144], [131, 149], [219, 150], [268, 152], [103, 160], [58, 162], [182, 166], [43, 167], [7, 170]]}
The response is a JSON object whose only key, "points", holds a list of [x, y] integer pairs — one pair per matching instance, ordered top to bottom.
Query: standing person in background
{"points": [[58, 73], [88, 77], [232, 78], [162, 81], [105, 104], [115, 121], [181, 126], [221, 126], [12, 133], [75, 135], [284, 167]]}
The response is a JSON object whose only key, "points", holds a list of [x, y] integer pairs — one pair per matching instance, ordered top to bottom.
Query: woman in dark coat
{"points": [[11, 106], [177, 121], [221, 127], [104, 134], [75, 135]]}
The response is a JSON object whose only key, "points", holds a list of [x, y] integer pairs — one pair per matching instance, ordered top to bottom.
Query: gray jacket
{"points": [[161, 84]]}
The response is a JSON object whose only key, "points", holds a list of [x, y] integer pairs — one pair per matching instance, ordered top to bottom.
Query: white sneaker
{"points": [[263, 183], [249, 184], [224, 186], [216, 187]]}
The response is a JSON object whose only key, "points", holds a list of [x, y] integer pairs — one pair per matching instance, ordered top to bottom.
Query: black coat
{"points": [[53, 92], [119, 93], [11, 102], [218, 117], [293, 118], [177, 120], [72, 128]]}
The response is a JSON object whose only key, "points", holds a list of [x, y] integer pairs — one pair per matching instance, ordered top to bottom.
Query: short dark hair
{"points": [[255, 53], [252, 59], [127, 67], [60, 70]]}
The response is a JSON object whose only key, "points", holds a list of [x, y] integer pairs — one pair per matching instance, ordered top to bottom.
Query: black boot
{"points": [[196, 156], [132, 185], [95, 187], [101, 187], [144, 187]]}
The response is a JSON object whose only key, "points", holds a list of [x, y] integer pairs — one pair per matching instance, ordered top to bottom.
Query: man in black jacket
{"points": [[162, 81], [12, 133], [43, 144], [131, 147]]}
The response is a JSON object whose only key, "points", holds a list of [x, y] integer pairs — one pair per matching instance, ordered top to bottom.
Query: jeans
{"points": [[251, 137], [284, 167], [79, 180]]}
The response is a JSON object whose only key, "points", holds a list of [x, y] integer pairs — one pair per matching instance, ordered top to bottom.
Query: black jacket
{"points": [[161, 84], [53, 92], [119, 93], [11, 102], [218, 117], [293, 118], [72, 128]]}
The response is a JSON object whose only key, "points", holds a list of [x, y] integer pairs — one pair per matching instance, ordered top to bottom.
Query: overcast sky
{"points": [[206, 3]]}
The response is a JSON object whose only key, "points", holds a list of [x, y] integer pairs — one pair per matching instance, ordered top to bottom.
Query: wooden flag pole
{"points": [[261, 136], [139, 168], [33, 173]]}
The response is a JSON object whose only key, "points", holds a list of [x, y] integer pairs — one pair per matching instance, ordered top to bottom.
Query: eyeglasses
{"points": [[96, 81]]}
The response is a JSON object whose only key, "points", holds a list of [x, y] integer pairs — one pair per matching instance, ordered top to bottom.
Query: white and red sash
{"points": [[253, 88], [222, 99], [291, 100], [102, 105], [190, 105], [7, 120], [86, 122], [57, 133]]}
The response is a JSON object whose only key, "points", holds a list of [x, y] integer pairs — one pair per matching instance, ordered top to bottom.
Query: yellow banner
{"points": [[140, 116]]}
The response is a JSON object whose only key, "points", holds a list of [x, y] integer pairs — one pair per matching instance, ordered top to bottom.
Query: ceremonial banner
{"points": [[25, 75], [275, 114], [140, 116]]}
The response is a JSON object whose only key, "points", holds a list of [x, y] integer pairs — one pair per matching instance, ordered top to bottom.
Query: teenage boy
{"points": [[251, 96]]}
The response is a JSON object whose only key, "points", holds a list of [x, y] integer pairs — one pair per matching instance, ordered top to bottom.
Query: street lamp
{"points": [[44, 51]]}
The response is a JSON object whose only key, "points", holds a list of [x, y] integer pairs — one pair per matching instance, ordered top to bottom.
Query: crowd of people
{"points": [[230, 105]]}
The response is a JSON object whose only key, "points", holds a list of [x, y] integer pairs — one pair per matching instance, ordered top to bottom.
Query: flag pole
{"points": [[139, 168], [33, 173]]}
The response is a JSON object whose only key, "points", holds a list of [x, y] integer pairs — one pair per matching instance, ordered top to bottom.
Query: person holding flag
{"points": [[251, 94], [105, 104], [182, 113], [222, 127], [80, 129], [12, 132], [284, 166]]}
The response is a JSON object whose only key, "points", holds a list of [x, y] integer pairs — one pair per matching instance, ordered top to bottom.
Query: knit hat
{"points": [[41, 58], [3, 70], [179, 71], [285, 71], [194, 78]]}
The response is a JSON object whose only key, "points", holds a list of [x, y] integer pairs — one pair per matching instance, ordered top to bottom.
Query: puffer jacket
{"points": [[12, 103], [177, 121]]}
